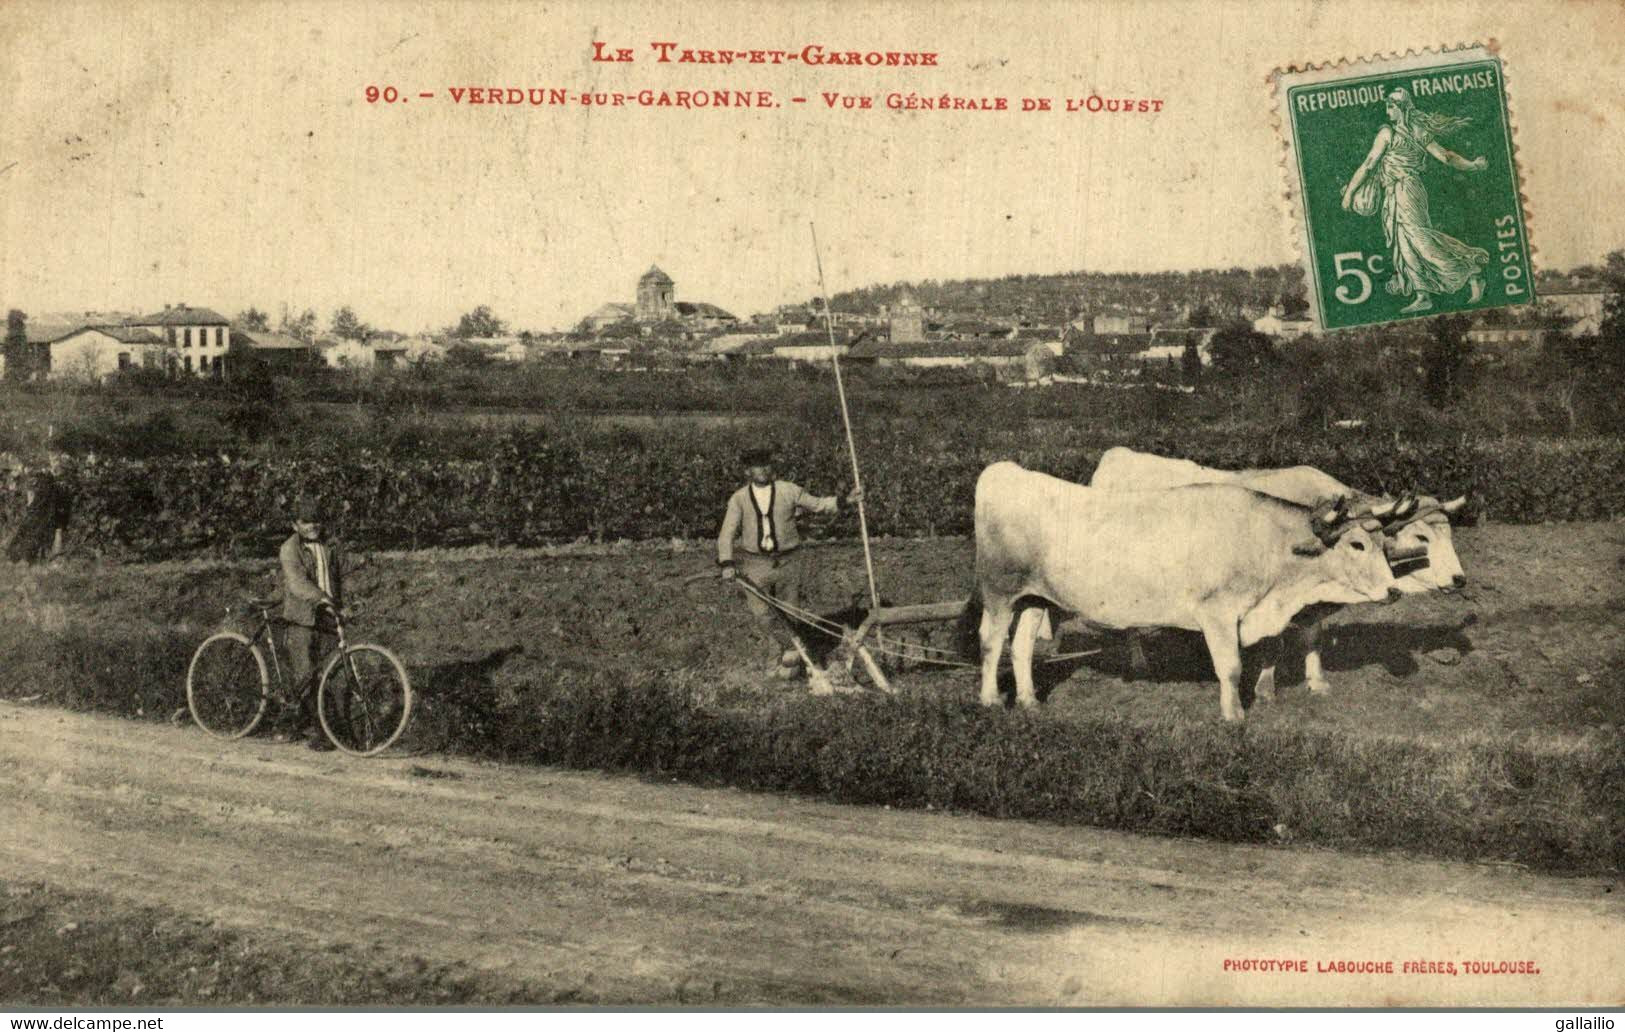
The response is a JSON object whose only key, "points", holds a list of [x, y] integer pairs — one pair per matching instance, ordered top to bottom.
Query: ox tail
{"points": [[968, 628]]}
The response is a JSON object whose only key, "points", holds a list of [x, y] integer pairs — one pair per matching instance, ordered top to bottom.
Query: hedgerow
{"points": [[542, 486]]}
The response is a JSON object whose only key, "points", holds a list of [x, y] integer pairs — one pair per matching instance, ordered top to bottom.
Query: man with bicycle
{"points": [[311, 583]]}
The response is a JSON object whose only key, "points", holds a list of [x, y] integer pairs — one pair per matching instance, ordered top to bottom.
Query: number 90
{"points": [[388, 94]]}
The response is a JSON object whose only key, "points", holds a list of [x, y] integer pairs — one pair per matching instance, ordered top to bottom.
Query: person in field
{"points": [[48, 509], [760, 540], [311, 582]]}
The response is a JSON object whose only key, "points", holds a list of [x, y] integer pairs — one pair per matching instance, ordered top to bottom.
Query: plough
{"points": [[855, 641], [859, 644]]}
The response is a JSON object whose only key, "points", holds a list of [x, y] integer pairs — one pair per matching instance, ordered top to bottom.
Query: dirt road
{"points": [[648, 893]]}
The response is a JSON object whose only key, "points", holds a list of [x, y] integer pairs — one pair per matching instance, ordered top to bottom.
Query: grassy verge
{"points": [[1550, 801], [1546, 802]]}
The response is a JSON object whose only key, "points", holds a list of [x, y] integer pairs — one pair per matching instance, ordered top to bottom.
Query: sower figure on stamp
{"points": [[1425, 260], [759, 539], [311, 583]]}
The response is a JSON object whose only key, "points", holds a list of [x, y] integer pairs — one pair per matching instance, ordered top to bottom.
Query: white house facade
{"points": [[1275, 324], [200, 336], [94, 353]]}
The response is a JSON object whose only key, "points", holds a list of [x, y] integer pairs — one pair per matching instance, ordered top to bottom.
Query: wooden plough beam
{"points": [[893, 616], [855, 641]]}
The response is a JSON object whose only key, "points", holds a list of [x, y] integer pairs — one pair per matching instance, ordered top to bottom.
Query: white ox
{"points": [[1424, 524], [1216, 558]]}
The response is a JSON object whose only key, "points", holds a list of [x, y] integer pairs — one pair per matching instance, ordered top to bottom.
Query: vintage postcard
{"points": [[725, 505]]}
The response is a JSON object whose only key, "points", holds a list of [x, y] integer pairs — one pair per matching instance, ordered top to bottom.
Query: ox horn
{"points": [[1454, 505], [1384, 510], [1332, 515], [1326, 525]]}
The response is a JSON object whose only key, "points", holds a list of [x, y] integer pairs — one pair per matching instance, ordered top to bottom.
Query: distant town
{"points": [[1089, 326]]}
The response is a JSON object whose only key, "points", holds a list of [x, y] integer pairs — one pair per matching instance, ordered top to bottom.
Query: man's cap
{"points": [[757, 457], [307, 510]]}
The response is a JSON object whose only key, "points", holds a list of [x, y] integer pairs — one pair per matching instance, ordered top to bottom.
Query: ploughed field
{"points": [[1488, 726]]}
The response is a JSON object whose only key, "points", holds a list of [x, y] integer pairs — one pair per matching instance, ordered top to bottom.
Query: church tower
{"points": [[655, 293], [907, 321]]}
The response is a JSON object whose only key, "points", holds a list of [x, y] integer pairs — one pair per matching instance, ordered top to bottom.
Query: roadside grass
{"points": [[1547, 800], [1550, 802], [84, 949]]}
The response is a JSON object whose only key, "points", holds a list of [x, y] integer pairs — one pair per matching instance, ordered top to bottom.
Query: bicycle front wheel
{"points": [[227, 686], [364, 700]]}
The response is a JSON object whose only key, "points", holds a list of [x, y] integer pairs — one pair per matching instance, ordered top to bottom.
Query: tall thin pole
{"points": [[846, 420]]}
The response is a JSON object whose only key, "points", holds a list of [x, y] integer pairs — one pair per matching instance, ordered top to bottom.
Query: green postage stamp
{"points": [[1402, 179]]}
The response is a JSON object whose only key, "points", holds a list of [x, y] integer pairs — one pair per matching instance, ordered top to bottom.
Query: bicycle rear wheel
{"points": [[227, 686], [364, 700]]}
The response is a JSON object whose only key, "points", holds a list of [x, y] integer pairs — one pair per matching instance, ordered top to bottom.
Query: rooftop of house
{"points": [[700, 309], [183, 315], [48, 326], [971, 327], [44, 332], [1040, 333], [122, 334], [808, 339], [264, 340], [1115, 343], [729, 345], [999, 348]]}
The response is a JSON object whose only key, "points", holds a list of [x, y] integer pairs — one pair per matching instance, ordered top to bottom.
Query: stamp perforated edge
{"points": [[1283, 77]]}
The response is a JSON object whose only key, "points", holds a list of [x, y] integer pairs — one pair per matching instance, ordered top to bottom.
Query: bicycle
{"points": [[363, 696]]}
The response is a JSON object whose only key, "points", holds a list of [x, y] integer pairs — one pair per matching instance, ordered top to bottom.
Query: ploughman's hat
{"points": [[756, 457]]}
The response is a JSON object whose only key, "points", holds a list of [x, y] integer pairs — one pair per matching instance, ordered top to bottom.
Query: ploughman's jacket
{"points": [[743, 525]]}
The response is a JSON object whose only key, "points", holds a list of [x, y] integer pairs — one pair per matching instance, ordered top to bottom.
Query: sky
{"points": [[227, 155]]}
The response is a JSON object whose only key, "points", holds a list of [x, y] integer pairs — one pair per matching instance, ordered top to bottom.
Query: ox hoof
{"points": [[1320, 688], [1264, 691], [1027, 703]]}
